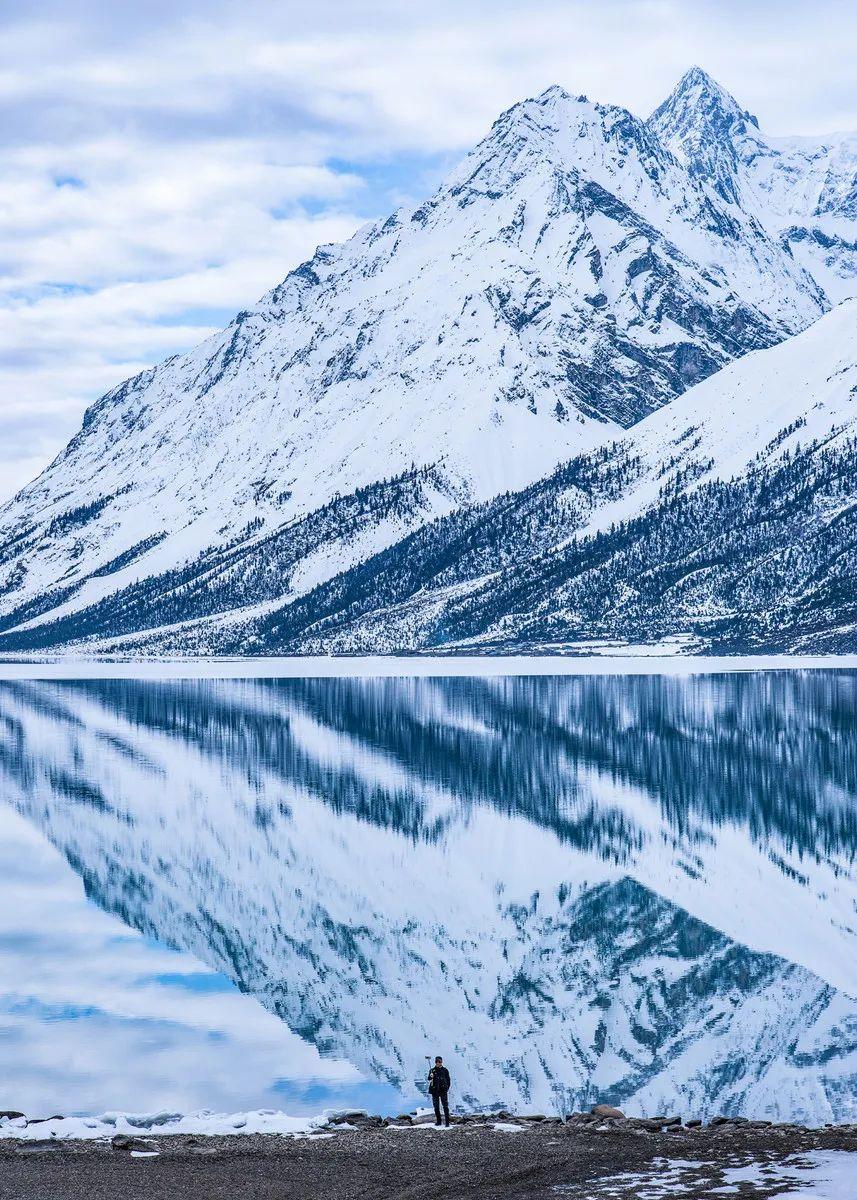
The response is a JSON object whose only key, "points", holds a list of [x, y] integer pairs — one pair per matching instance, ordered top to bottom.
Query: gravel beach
{"points": [[524, 1159]]}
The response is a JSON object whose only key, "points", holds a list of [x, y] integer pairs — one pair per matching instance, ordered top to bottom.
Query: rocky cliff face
{"points": [[578, 271]]}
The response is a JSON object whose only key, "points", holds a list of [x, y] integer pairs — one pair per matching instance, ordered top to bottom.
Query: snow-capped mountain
{"points": [[578, 271], [391, 865]]}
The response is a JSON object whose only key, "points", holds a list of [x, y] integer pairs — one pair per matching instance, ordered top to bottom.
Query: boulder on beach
{"points": [[606, 1110]]}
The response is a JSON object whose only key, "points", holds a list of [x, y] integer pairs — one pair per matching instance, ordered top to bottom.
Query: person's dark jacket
{"points": [[439, 1081]]}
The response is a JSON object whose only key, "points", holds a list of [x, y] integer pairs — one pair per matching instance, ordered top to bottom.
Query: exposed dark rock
{"points": [[125, 1141]]}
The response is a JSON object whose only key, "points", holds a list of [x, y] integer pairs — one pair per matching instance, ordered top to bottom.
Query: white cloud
{"points": [[160, 159], [59, 351]]}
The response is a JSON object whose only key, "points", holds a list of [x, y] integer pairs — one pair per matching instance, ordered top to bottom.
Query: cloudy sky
{"points": [[165, 163]]}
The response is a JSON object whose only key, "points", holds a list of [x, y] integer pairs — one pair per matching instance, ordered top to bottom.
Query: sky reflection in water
{"points": [[96, 1016]]}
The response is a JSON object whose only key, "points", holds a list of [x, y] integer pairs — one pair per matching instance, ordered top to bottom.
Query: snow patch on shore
{"points": [[162, 1123], [815, 1175]]}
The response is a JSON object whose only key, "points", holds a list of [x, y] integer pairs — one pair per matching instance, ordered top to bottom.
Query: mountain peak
{"points": [[697, 82], [554, 92], [698, 102], [540, 108], [701, 122], [576, 271]]}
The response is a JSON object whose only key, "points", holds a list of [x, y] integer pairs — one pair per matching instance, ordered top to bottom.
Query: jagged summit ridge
{"points": [[697, 100], [700, 121], [803, 190]]}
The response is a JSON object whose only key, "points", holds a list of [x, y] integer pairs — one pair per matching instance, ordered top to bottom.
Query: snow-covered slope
{"points": [[570, 277], [753, 413], [727, 518], [528, 873]]}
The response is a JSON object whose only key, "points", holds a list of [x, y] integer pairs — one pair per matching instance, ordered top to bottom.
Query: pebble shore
{"points": [[491, 1156]]}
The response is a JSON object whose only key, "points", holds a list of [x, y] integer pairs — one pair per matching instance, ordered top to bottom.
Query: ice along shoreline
{"points": [[439, 666]]}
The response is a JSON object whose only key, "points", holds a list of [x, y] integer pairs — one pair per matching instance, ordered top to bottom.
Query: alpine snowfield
{"points": [[579, 271]]}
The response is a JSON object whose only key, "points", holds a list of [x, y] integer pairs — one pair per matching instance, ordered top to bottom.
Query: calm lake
{"points": [[234, 894]]}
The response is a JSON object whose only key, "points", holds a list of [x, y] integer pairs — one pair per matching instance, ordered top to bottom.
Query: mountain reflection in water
{"points": [[638, 889]]}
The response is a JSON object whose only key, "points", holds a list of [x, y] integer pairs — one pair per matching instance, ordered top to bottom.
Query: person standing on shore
{"points": [[439, 1085]]}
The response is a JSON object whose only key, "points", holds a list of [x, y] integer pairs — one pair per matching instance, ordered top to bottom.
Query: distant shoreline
{"points": [[638, 662]]}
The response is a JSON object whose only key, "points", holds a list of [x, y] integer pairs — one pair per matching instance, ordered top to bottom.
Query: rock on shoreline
{"points": [[123, 1128]]}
